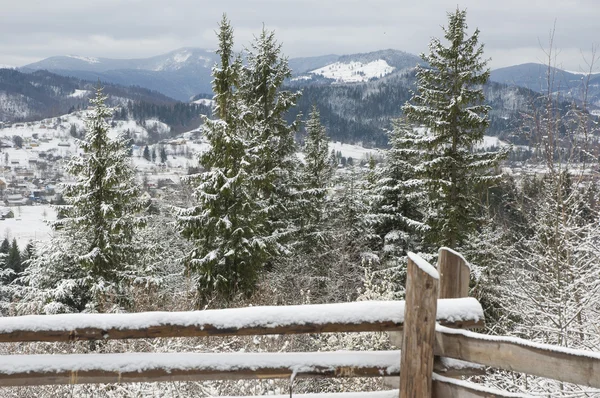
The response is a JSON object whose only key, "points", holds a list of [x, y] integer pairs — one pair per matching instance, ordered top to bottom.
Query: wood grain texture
{"points": [[455, 274], [419, 333], [510, 354], [448, 388]]}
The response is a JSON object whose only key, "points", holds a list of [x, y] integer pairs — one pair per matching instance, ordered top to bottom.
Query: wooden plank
{"points": [[454, 272], [380, 317], [419, 328], [520, 355], [444, 366], [21, 370], [162, 375], [444, 387]]}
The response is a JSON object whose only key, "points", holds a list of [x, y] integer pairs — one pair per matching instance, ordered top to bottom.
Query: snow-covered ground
{"points": [[354, 72], [80, 93], [205, 102], [491, 142], [355, 152], [29, 224]]}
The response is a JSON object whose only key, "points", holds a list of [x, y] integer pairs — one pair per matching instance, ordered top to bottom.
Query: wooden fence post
{"points": [[455, 274], [416, 363]]}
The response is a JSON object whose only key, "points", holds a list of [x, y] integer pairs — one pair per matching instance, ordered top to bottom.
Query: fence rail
{"points": [[367, 316], [428, 326], [519, 355], [20, 370]]}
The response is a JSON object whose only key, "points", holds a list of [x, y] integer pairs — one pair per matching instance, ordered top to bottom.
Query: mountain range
{"points": [[185, 73], [538, 77], [358, 95]]}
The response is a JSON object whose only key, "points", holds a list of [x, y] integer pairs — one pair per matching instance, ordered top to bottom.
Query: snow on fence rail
{"points": [[365, 316], [424, 326], [519, 355], [16, 370]]}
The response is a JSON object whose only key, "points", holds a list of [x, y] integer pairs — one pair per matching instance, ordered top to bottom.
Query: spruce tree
{"points": [[449, 104], [146, 153], [274, 161], [317, 168], [316, 176], [399, 194], [225, 223], [5, 246], [94, 253], [13, 261]]}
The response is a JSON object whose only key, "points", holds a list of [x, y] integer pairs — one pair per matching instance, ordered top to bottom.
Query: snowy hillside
{"points": [[354, 72], [13, 106]]}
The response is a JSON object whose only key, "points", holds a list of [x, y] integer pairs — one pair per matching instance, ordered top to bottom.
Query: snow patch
{"points": [[181, 57], [89, 60], [354, 72], [303, 77], [79, 93], [205, 102], [490, 142], [355, 152], [30, 223], [457, 254], [423, 265]]}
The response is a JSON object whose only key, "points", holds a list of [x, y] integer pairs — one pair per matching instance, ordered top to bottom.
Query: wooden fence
{"points": [[429, 327]]}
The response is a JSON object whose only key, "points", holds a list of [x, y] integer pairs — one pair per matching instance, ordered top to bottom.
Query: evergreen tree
{"points": [[449, 105], [146, 153], [153, 154], [163, 154], [274, 162], [317, 169], [316, 176], [399, 195], [225, 223], [5, 246], [93, 254], [13, 261]]}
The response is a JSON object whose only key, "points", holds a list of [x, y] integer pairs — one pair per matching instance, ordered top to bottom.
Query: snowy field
{"points": [[355, 152], [29, 223]]}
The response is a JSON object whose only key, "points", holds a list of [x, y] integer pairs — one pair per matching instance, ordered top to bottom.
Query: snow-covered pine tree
{"points": [[449, 105], [274, 161], [317, 166], [316, 176], [399, 193], [225, 224], [353, 237], [93, 255]]}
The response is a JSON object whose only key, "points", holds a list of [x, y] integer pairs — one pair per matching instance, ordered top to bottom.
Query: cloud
{"points": [[510, 29]]}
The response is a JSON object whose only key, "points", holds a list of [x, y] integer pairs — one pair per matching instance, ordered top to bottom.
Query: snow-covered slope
{"points": [[354, 72], [13, 105]]}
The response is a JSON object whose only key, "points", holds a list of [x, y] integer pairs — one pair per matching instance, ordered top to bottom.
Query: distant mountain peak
{"points": [[89, 60]]}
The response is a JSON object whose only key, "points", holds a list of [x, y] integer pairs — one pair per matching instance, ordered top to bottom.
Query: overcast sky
{"points": [[511, 29]]}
